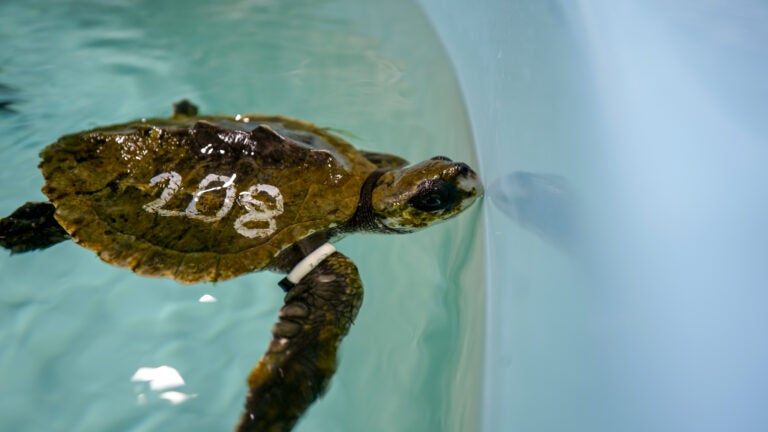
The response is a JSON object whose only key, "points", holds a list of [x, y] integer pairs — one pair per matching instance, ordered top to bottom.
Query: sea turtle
{"points": [[206, 198]]}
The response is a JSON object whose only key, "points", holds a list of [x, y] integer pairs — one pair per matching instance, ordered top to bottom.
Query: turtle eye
{"points": [[434, 196], [428, 202]]}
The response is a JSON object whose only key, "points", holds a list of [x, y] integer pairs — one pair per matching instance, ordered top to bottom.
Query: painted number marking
{"points": [[202, 188], [256, 209]]}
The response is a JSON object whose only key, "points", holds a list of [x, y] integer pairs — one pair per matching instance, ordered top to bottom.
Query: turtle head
{"points": [[414, 197]]}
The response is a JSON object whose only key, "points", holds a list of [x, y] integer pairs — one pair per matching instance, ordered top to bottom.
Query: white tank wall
{"points": [[654, 115]]}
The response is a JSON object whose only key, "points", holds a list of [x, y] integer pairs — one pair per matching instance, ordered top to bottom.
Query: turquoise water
{"points": [[74, 330]]}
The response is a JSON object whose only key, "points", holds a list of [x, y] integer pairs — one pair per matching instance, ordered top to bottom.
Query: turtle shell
{"points": [[201, 198]]}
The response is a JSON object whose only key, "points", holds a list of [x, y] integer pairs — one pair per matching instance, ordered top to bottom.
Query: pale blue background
{"points": [[655, 112]]}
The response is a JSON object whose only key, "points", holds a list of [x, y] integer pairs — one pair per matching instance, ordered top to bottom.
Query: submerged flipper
{"points": [[184, 108], [384, 160], [31, 227], [301, 358]]}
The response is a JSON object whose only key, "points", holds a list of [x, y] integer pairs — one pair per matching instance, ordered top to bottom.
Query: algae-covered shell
{"points": [[201, 198]]}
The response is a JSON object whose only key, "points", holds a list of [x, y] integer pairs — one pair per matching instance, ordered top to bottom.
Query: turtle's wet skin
{"points": [[206, 198]]}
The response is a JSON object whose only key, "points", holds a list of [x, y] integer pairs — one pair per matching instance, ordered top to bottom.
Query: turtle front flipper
{"points": [[30, 227], [301, 357]]}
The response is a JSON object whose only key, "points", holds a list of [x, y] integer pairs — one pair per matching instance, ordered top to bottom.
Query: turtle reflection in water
{"points": [[207, 198]]}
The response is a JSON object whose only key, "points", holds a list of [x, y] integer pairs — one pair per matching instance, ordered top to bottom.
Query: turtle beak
{"points": [[467, 181]]}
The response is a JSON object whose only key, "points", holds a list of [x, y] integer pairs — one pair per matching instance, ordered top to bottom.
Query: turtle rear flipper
{"points": [[31, 227], [301, 358]]}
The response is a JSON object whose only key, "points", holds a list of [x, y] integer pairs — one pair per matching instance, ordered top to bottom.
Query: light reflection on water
{"points": [[75, 330], [159, 381]]}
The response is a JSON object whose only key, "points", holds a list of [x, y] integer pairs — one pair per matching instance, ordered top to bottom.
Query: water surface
{"points": [[76, 330]]}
